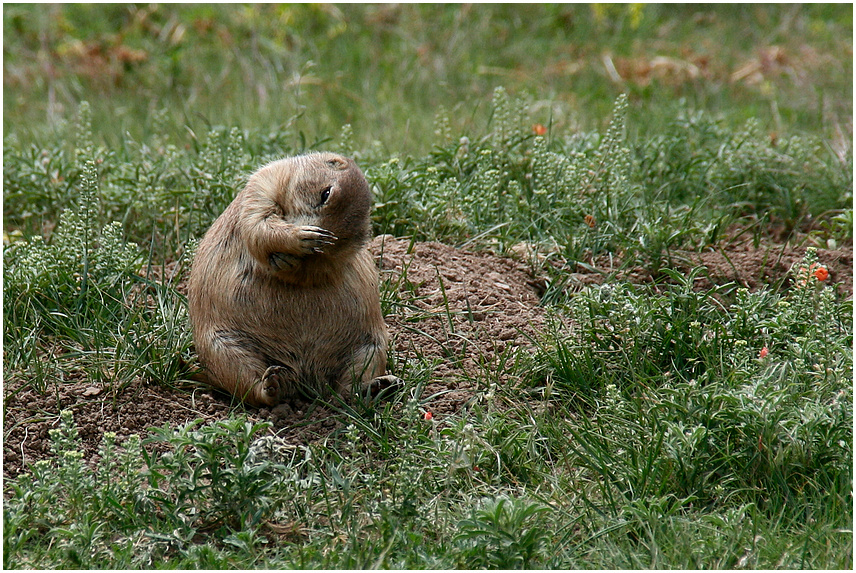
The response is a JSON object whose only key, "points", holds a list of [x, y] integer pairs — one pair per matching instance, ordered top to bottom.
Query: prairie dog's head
{"points": [[321, 189]]}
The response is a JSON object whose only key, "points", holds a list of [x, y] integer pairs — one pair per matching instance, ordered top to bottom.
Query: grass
{"points": [[293, 70], [672, 428]]}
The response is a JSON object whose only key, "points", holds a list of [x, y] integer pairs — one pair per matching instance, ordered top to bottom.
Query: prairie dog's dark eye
{"points": [[325, 194]]}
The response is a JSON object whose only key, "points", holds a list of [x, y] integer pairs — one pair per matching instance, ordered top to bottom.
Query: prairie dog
{"points": [[283, 293]]}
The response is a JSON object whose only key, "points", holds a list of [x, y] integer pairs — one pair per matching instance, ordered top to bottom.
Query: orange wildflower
{"points": [[539, 129], [814, 270], [764, 352], [428, 415]]}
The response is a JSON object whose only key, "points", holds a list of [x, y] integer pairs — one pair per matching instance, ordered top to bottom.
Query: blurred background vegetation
{"points": [[386, 69]]}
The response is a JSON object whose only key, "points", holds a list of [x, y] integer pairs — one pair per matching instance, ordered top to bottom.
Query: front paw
{"points": [[313, 240], [273, 384]]}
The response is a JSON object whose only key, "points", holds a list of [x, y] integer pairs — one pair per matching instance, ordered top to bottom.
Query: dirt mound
{"points": [[452, 312], [453, 316]]}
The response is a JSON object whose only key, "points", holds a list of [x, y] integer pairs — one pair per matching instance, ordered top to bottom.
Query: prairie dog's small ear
{"points": [[338, 163]]}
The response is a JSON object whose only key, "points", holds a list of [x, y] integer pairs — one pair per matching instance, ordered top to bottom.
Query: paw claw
{"points": [[314, 239]]}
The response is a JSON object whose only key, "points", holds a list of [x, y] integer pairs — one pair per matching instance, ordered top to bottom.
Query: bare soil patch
{"points": [[768, 264], [744, 265], [453, 312]]}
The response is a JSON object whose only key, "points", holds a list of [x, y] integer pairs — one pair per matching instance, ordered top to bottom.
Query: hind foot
{"points": [[384, 385]]}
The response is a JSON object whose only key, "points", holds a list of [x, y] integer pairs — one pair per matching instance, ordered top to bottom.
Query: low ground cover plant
{"points": [[739, 455]]}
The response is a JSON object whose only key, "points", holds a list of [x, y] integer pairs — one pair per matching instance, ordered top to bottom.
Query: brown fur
{"points": [[283, 292]]}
